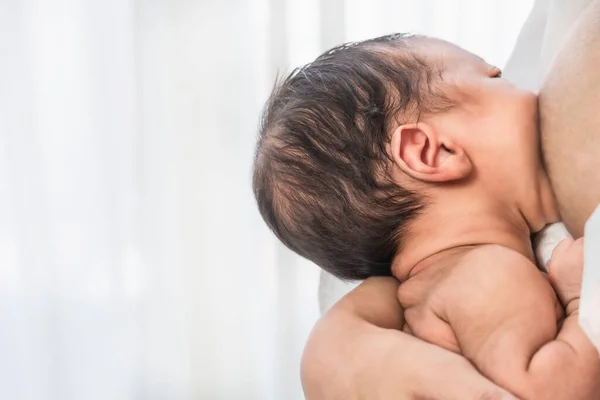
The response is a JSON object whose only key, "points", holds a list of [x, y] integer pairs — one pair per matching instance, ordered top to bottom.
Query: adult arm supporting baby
{"points": [[506, 324], [357, 352]]}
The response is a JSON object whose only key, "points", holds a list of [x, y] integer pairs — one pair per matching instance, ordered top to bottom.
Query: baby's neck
{"points": [[539, 207], [457, 219], [453, 229], [443, 260]]}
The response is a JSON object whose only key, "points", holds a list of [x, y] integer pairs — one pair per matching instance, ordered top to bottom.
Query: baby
{"points": [[408, 156]]}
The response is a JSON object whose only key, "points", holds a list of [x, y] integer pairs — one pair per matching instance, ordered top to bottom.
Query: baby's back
{"points": [[446, 287], [495, 307]]}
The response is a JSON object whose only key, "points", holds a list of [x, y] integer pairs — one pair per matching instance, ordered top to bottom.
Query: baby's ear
{"points": [[420, 153]]}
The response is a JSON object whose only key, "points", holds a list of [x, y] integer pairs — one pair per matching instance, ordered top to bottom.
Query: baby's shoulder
{"points": [[495, 250], [493, 255], [495, 263], [492, 277]]}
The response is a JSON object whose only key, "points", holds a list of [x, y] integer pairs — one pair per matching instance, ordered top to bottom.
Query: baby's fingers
{"points": [[559, 252], [566, 269]]}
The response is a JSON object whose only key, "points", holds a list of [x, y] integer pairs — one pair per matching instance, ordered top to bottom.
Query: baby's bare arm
{"points": [[506, 324]]}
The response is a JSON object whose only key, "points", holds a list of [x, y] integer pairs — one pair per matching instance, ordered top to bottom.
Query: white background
{"points": [[133, 262]]}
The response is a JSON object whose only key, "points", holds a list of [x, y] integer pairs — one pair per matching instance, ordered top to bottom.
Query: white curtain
{"points": [[133, 262]]}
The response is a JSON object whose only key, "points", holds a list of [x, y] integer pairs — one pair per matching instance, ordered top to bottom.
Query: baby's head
{"points": [[357, 147]]}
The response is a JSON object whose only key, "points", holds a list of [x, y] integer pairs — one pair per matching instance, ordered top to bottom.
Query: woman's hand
{"points": [[357, 352]]}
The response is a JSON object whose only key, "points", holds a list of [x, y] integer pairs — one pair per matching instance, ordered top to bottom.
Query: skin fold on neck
{"points": [[457, 224]]}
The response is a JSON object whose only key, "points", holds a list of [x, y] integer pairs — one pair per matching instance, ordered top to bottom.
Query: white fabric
{"points": [[547, 240], [133, 262], [589, 318]]}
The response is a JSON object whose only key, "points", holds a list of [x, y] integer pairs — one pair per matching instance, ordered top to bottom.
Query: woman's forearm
{"points": [[376, 301], [356, 352], [329, 356]]}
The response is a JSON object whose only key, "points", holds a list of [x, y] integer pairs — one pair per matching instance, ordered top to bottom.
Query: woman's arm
{"points": [[356, 351]]}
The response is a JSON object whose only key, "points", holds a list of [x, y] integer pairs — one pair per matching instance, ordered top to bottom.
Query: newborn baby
{"points": [[408, 156]]}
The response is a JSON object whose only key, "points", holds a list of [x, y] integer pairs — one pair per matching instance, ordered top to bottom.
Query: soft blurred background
{"points": [[133, 261]]}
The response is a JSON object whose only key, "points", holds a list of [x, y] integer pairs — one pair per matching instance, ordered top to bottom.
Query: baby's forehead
{"points": [[443, 53]]}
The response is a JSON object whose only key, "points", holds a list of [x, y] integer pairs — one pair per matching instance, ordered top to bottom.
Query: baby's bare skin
{"points": [[492, 305]]}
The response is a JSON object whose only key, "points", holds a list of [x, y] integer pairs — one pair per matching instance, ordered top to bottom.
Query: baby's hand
{"points": [[566, 271]]}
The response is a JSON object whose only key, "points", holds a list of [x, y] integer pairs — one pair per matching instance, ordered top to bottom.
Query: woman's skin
{"points": [[570, 122], [356, 350]]}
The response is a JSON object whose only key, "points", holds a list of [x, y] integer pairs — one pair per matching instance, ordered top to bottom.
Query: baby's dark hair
{"points": [[321, 176]]}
